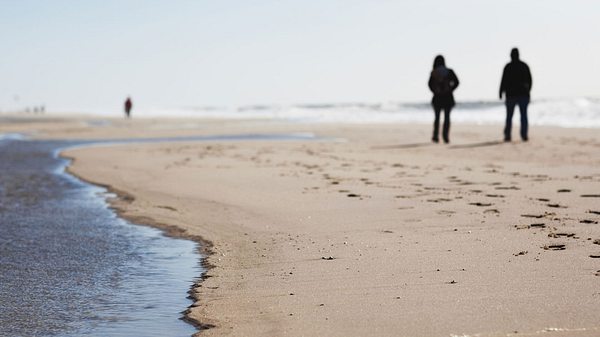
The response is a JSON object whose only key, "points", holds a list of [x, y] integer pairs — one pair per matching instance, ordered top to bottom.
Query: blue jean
{"points": [[511, 102], [436, 123]]}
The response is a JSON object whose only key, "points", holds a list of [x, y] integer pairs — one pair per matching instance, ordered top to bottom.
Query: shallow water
{"points": [[70, 267]]}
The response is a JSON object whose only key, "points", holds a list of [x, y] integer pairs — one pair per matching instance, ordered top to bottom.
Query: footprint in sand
{"points": [[508, 188], [564, 190], [494, 195], [590, 195], [542, 199], [439, 200], [480, 204], [556, 206], [168, 207], [492, 211], [594, 212], [532, 216], [587, 221], [533, 225], [561, 235], [596, 242], [555, 247], [595, 256]]}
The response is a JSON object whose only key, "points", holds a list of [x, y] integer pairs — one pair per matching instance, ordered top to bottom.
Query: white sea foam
{"points": [[578, 112], [581, 112], [11, 136]]}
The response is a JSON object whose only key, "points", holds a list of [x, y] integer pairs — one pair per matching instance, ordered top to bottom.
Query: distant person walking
{"points": [[442, 83], [516, 84], [128, 106]]}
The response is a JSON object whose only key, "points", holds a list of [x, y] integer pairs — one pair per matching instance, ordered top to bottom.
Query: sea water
{"points": [[564, 112], [69, 266]]}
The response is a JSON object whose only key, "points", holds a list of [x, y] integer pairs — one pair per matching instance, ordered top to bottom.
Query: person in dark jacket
{"points": [[442, 83], [516, 84], [128, 106]]}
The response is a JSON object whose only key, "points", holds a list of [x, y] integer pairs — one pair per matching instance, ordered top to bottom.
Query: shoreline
{"points": [[544, 112], [119, 203], [65, 241]]}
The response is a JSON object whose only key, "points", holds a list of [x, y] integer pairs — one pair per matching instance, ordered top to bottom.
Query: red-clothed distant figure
{"points": [[128, 106]]}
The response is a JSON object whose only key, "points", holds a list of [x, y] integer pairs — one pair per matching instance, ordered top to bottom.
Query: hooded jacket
{"points": [[516, 79], [442, 83]]}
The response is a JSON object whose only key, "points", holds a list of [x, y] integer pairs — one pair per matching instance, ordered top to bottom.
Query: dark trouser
{"points": [[511, 102], [436, 123]]}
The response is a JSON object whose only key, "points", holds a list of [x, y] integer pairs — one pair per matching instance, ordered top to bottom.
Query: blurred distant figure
{"points": [[442, 83], [516, 84], [128, 106]]}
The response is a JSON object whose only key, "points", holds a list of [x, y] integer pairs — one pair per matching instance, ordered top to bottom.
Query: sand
{"points": [[370, 230]]}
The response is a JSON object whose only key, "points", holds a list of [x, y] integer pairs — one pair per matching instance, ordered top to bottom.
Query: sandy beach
{"points": [[300, 168], [367, 230]]}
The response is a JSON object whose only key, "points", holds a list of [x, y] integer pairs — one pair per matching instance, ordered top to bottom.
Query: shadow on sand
{"points": [[415, 145], [474, 145], [401, 146]]}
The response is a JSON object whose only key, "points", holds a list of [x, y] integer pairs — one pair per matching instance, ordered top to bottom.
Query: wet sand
{"points": [[372, 230]]}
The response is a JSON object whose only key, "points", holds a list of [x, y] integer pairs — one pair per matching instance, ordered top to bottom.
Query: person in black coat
{"points": [[442, 83], [516, 84], [128, 105]]}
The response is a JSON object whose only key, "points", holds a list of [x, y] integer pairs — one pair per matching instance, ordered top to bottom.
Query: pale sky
{"points": [[92, 54]]}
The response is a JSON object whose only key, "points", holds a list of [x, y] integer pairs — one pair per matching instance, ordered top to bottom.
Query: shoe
{"points": [[525, 139], [435, 140], [507, 140], [446, 141]]}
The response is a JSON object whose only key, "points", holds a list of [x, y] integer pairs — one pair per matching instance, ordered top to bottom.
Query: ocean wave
{"points": [[572, 112], [579, 112]]}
